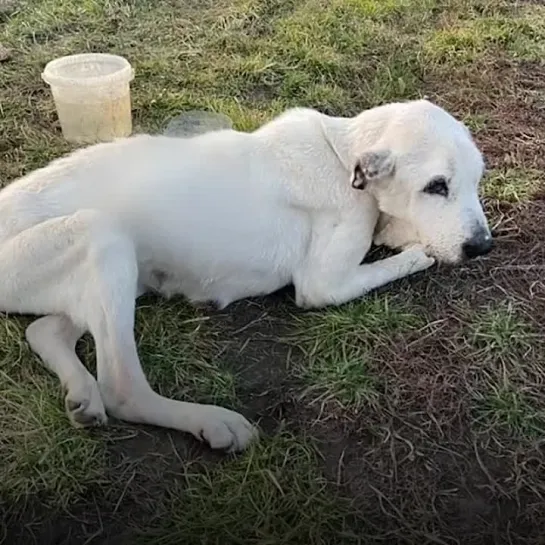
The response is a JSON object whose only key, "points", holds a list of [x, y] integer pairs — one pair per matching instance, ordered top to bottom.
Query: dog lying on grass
{"points": [[224, 216]]}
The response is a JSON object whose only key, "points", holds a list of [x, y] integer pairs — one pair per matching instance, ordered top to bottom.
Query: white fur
{"points": [[220, 217]]}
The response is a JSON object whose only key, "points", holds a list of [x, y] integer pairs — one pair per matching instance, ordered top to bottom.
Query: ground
{"points": [[416, 415]]}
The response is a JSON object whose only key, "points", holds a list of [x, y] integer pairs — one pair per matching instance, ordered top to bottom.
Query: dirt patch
{"points": [[511, 96]]}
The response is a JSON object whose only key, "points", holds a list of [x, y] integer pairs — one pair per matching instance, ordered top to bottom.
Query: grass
{"points": [[471, 38], [513, 185], [500, 329], [505, 340], [339, 347], [183, 352], [196, 372], [509, 409], [370, 411], [41, 455], [275, 495]]}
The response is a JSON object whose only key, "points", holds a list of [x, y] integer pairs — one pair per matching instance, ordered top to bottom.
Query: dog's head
{"points": [[424, 171]]}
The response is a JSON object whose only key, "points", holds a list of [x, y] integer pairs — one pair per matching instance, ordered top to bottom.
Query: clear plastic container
{"points": [[92, 96], [196, 122]]}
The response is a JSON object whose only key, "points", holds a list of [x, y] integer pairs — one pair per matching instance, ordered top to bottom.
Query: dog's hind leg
{"points": [[83, 267], [54, 339]]}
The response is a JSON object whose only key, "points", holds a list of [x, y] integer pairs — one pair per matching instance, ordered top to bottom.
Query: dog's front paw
{"points": [[395, 234], [417, 258], [224, 429]]}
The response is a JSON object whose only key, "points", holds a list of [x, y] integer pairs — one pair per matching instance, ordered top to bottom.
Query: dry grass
{"points": [[414, 416]]}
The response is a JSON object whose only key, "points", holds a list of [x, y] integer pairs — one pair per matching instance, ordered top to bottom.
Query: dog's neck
{"points": [[348, 137]]}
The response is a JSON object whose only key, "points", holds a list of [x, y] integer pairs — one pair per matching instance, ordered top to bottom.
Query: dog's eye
{"points": [[438, 186]]}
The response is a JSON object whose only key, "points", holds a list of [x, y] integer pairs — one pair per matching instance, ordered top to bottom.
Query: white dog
{"points": [[220, 217]]}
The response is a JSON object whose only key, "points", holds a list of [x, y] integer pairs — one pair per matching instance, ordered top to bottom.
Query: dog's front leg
{"points": [[332, 273], [374, 275]]}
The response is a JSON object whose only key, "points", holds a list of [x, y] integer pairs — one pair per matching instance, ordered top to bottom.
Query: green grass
{"points": [[469, 39], [248, 59], [251, 59], [476, 122], [513, 185], [501, 329], [341, 345], [182, 353], [509, 396], [508, 408], [41, 455], [271, 494]]}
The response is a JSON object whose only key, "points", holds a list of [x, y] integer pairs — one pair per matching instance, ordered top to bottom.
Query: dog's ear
{"points": [[372, 166]]}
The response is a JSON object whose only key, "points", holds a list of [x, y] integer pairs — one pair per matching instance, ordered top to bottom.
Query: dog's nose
{"points": [[478, 245]]}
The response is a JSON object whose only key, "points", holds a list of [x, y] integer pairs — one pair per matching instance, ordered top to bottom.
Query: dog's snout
{"points": [[477, 245]]}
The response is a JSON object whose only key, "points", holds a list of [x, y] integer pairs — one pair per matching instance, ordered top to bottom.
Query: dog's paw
{"points": [[395, 234], [417, 258], [84, 406], [224, 429]]}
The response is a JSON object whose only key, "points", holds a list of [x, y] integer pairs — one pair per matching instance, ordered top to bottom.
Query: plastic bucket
{"points": [[92, 96]]}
